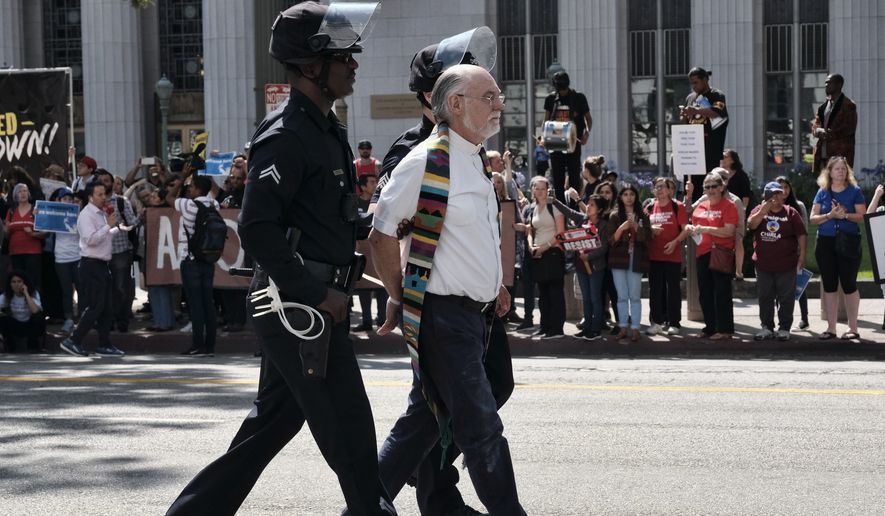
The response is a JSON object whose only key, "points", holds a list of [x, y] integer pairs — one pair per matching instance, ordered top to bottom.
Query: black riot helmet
{"points": [[309, 30], [476, 46]]}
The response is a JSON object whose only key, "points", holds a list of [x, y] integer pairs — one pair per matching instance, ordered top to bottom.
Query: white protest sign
{"points": [[688, 150]]}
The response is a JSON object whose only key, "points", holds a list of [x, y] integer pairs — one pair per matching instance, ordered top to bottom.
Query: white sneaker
{"points": [[189, 328], [654, 329], [673, 330], [764, 334], [783, 335]]}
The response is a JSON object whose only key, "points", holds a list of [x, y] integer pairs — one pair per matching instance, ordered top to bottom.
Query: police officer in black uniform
{"points": [[298, 222], [436, 487]]}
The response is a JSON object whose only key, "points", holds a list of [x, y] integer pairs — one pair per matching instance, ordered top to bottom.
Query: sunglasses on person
{"points": [[342, 57], [711, 187]]}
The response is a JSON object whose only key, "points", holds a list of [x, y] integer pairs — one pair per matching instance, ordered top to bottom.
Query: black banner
{"points": [[34, 119]]}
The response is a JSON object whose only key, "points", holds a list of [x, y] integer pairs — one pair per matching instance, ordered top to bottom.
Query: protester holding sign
{"points": [[67, 261]]}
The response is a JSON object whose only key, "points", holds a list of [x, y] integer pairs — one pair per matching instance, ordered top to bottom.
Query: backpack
{"points": [[206, 244]]}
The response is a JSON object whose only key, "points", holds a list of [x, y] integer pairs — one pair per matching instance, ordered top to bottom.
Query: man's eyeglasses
{"points": [[488, 98]]}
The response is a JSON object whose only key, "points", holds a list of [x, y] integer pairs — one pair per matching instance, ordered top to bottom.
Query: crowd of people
{"points": [[632, 239], [52, 278]]}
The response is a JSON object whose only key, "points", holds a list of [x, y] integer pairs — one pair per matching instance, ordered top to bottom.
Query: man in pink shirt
{"points": [[96, 230]]}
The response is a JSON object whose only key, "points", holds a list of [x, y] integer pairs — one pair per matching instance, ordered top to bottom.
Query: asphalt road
{"points": [[122, 437]]}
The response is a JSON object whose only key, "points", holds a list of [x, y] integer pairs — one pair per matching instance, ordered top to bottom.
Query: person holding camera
{"points": [[837, 210], [779, 244], [197, 275]]}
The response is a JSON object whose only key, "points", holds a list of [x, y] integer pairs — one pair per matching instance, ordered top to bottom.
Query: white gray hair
{"points": [[450, 83]]}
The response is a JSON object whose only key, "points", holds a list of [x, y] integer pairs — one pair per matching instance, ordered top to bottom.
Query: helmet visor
{"points": [[346, 24], [479, 43]]}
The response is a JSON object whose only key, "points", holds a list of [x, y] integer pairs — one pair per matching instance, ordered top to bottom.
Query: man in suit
{"points": [[834, 125]]}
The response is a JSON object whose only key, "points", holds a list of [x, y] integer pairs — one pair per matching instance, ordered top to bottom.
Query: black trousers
{"points": [[562, 165], [527, 284], [124, 287], [609, 289], [96, 292], [665, 293], [715, 297], [551, 302], [234, 303], [13, 329], [335, 408], [436, 487]]}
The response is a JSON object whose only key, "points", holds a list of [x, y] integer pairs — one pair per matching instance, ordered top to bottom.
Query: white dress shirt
{"points": [[95, 234], [468, 257]]}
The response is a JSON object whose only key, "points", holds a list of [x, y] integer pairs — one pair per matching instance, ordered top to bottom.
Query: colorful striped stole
{"points": [[427, 226]]}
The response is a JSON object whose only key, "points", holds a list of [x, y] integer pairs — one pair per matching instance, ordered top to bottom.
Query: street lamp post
{"points": [[553, 69], [164, 89]]}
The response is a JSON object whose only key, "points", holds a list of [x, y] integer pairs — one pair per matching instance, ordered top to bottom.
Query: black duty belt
{"points": [[464, 302]]}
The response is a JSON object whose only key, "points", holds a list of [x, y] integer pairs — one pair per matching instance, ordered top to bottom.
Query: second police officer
{"points": [[299, 223]]}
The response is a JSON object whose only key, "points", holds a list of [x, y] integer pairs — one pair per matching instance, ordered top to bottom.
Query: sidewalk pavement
{"points": [[802, 344]]}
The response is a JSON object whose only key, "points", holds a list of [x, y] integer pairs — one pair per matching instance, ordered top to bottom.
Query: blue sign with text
{"points": [[219, 164], [56, 217]]}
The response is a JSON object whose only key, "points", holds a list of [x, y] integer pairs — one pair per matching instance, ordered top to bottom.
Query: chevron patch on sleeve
{"points": [[270, 172]]}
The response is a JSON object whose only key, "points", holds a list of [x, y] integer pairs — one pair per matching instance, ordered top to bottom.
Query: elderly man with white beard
{"points": [[441, 195]]}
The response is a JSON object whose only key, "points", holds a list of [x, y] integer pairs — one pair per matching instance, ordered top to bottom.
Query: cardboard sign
{"points": [[688, 150], [219, 164], [49, 186], [56, 217], [875, 223], [579, 239], [164, 254]]}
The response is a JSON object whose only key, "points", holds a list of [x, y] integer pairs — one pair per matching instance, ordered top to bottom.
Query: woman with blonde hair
{"points": [[837, 210]]}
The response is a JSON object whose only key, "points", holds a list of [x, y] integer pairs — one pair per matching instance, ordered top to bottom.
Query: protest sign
{"points": [[36, 118], [688, 150], [219, 164], [56, 217], [164, 250], [802, 280]]}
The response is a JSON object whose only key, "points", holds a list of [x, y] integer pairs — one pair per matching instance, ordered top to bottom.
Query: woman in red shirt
{"points": [[669, 224], [713, 224], [25, 244]]}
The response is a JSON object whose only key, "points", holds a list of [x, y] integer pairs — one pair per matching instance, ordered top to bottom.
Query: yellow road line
{"points": [[524, 386]]}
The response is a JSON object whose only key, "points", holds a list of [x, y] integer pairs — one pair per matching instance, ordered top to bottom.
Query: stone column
{"points": [[32, 27], [856, 37], [726, 38], [593, 49], [11, 51], [229, 80], [112, 84]]}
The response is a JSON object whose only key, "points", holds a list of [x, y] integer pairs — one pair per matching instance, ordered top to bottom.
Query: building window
{"points": [[674, 31], [62, 42], [181, 43], [512, 64], [793, 87]]}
